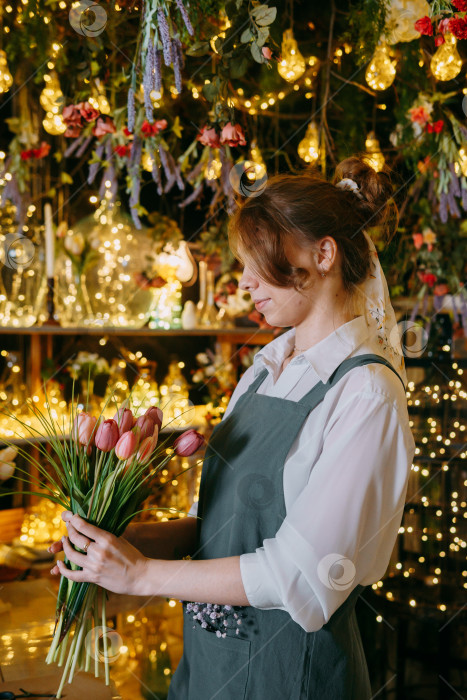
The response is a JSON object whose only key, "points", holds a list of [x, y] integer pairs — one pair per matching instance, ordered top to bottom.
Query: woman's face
{"points": [[281, 306], [285, 306]]}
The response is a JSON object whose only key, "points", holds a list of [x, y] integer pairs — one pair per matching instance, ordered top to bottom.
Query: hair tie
{"points": [[348, 184]]}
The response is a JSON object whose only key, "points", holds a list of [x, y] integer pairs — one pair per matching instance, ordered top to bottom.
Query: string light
{"points": [[446, 63], [292, 66], [381, 72], [6, 79], [308, 148], [373, 155]]}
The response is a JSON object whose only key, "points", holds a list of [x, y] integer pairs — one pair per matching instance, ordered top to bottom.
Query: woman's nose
{"points": [[247, 281]]}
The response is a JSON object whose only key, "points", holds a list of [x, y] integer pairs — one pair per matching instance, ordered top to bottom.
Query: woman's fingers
{"points": [[91, 531], [76, 537], [55, 547], [72, 555], [72, 575]]}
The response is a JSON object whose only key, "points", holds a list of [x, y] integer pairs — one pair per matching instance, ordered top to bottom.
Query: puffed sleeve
{"points": [[241, 387], [341, 530]]}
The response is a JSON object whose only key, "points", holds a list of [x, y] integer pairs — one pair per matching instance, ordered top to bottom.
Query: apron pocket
{"points": [[219, 667]]}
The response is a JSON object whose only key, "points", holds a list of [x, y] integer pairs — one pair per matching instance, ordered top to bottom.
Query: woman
{"points": [[303, 492]]}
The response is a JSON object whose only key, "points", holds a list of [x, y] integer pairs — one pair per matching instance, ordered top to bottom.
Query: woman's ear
{"points": [[326, 253]]}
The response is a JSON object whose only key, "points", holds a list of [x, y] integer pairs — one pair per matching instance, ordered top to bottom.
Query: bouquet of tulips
{"points": [[101, 470]]}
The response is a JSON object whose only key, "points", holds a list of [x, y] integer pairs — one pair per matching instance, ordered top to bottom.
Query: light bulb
{"points": [[446, 62], [292, 65], [381, 72], [6, 80], [51, 97], [54, 124], [308, 148], [374, 156], [462, 161], [147, 162], [214, 166], [255, 169]]}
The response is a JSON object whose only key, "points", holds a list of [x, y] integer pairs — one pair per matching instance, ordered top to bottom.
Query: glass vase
{"points": [[22, 270], [119, 276], [72, 304]]}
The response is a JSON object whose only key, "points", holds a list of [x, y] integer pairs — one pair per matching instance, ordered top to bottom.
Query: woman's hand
{"points": [[109, 561]]}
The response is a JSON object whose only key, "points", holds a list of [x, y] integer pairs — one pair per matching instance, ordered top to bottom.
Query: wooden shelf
{"points": [[233, 334]]}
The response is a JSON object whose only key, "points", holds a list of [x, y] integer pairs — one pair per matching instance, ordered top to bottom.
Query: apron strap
{"points": [[257, 382], [320, 390]]}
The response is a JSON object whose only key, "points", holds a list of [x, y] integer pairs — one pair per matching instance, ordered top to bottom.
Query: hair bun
{"points": [[376, 205]]}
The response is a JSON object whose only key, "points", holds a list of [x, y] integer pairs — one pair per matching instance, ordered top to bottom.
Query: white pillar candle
{"points": [[49, 241]]}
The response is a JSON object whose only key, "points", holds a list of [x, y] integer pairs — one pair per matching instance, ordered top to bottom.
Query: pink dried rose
{"points": [[267, 53], [88, 112], [71, 115], [420, 115], [104, 125], [233, 135], [209, 137], [417, 240], [188, 442]]}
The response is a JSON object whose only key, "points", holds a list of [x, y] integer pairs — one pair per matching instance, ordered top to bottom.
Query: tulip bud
{"points": [[155, 413], [124, 419], [146, 425], [83, 429], [107, 435], [188, 442], [126, 445], [146, 449]]}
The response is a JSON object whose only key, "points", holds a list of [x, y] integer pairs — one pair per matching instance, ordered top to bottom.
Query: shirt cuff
{"points": [[258, 582]]}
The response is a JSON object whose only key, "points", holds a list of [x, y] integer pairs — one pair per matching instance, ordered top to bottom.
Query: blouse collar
{"points": [[324, 357]]}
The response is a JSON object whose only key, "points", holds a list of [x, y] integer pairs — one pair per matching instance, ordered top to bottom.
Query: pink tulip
{"points": [[155, 413], [124, 419], [146, 426], [84, 429], [107, 435], [188, 442], [126, 445], [147, 447]]}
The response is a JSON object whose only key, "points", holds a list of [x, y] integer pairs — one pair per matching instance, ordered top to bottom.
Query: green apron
{"points": [[241, 503]]}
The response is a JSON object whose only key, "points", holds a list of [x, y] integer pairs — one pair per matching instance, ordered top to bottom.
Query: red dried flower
{"points": [[424, 26]]}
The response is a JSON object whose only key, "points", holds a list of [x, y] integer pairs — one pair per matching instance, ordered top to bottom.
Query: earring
{"points": [[323, 274]]}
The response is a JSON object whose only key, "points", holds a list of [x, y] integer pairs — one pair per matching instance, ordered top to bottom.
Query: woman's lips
{"points": [[259, 305]]}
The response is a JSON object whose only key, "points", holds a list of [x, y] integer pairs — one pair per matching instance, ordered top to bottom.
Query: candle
{"points": [[49, 241]]}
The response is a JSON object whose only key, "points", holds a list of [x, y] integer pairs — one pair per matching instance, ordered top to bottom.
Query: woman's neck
{"points": [[319, 325]]}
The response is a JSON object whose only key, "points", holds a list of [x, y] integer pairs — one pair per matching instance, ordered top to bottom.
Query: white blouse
{"points": [[345, 477]]}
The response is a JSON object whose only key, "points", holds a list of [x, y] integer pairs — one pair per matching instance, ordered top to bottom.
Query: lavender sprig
{"points": [[185, 16], [164, 32], [177, 66], [157, 69], [148, 80], [131, 110], [94, 167]]}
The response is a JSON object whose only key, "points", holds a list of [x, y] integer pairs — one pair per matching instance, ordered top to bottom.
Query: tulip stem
{"points": [[96, 476]]}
